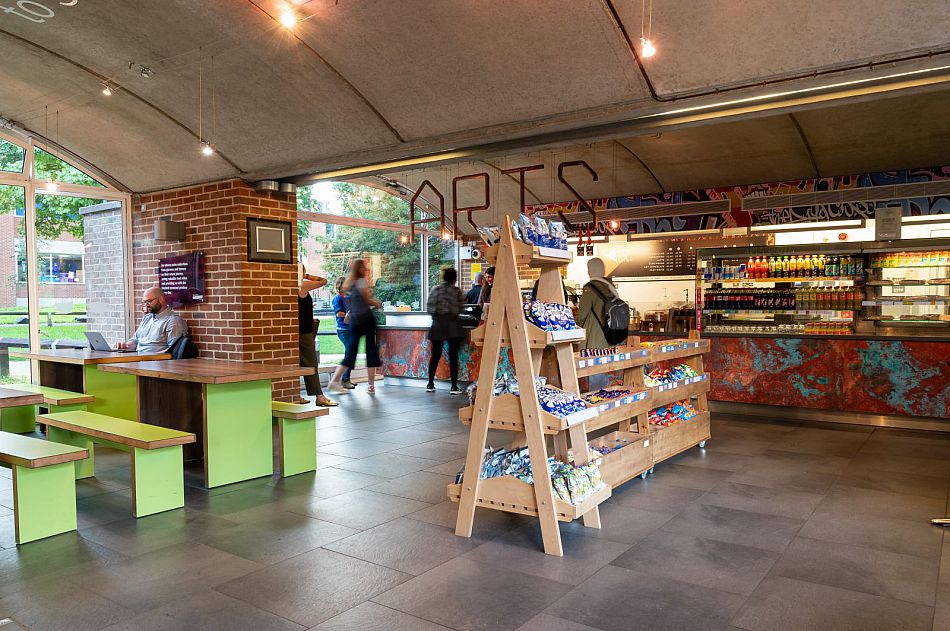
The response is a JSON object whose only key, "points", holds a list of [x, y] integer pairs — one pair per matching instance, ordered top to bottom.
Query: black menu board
{"points": [[644, 258]]}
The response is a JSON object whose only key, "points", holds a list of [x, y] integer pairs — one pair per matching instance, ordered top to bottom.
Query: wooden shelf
{"points": [[528, 254], [537, 337], [678, 349], [621, 360], [683, 389], [611, 412], [507, 415], [673, 439], [626, 463], [507, 493]]}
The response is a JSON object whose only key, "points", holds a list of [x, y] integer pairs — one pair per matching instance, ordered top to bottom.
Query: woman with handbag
{"points": [[445, 304], [362, 325]]}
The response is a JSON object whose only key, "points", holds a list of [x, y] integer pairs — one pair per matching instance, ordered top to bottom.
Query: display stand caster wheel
{"points": [[702, 444], [650, 471], [643, 476]]}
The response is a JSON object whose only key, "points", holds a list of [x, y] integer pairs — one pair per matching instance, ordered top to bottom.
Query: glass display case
{"points": [[872, 289]]}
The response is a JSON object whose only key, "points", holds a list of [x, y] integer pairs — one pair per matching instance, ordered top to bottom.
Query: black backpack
{"points": [[616, 321], [183, 348]]}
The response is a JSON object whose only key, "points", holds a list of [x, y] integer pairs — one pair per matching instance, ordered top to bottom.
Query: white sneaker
{"points": [[337, 386]]}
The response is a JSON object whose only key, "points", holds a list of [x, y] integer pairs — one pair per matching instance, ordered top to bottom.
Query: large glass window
{"points": [[11, 157], [48, 167], [14, 314]]}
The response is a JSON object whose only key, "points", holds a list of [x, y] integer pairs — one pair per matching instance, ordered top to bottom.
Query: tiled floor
{"points": [[773, 526]]}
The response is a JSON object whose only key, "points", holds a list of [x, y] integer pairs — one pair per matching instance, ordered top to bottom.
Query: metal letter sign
{"points": [[583, 203], [456, 211], [413, 222]]}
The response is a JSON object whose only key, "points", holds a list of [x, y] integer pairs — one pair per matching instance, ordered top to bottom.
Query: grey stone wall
{"points": [[105, 270]]}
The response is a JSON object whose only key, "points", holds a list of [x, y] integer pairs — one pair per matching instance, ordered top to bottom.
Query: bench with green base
{"points": [[22, 419], [297, 436], [158, 482], [44, 485]]}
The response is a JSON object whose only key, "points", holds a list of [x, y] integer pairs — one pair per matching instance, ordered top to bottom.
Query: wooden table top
{"points": [[85, 356], [208, 370], [12, 398]]}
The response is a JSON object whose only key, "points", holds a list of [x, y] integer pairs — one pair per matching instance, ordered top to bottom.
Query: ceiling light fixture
{"points": [[288, 19], [647, 49], [146, 72], [107, 90], [207, 149], [614, 225]]}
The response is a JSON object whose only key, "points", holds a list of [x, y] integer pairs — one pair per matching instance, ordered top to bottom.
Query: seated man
{"points": [[160, 327]]}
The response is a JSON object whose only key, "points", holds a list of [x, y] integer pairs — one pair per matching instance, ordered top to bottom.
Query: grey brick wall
{"points": [[104, 270]]}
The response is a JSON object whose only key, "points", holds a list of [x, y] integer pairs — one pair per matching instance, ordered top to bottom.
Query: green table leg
{"points": [[116, 394], [18, 420], [237, 432], [298, 451], [84, 468], [158, 482], [45, 501]]}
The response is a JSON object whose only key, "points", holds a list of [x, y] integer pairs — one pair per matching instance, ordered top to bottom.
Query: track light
{"points": [[288, 19], [647, 49], [146, 72], [107, 91], [207, 149], [614, 225]]}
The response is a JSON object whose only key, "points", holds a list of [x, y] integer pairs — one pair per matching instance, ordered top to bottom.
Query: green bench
{"points": [[22, 419], [297, 436], [158, 482], [44, 485]]}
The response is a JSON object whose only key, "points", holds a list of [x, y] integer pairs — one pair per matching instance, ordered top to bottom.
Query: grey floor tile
{"points": [[447, 426], [329, 435], [407, 436], [458, 439], [739, 446], [818, 446], [907, 446], [356, 448], [441, 450], [705, 459], [325, 460], [388, 465], [834, 465], [936, 467], [450, 468], [666, 475], [785, 476], [896, 482], [424, 486], [645, 495], [758, 499], [846, 500], [103, 509], [359, 509], [621, 523], [486, 525], [769, 532], [138, 536], [276, 536], [917, 538], [406, 545], [520, 548], [715, 564], [887, 574], [154, 579], [313, 587], [465, 594], [618, 599], [62, 605], [790, 605], [208, 611], [372, 617], [545, 622]]}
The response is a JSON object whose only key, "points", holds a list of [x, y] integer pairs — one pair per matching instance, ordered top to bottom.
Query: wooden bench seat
{"points": [[22, 419], [297, 435], [158, 482], [44, 485]]}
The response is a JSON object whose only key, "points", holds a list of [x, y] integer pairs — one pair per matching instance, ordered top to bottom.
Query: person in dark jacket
{"points": [[473, 294], [444, 304], [306, 331]]}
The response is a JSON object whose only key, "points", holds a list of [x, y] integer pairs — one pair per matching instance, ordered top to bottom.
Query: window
{"points": [[11, 157], [48, 167], [54, 268]]}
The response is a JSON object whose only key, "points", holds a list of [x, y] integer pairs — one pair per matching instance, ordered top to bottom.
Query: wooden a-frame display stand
{"points": [[506, 326]]}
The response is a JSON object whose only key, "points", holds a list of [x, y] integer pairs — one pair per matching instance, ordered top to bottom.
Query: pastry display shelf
{"points": [[528, 254], [824, 281], [537, 337], [624, 358], [620, 409], [506, 414], [669, 440], [634, 458], [507, 493]]}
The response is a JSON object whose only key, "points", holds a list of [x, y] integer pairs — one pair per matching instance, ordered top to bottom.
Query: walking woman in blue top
{"points": [[341, 306]]}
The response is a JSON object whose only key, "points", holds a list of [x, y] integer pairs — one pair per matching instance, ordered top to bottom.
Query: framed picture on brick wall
{"points": [[269, 241]]}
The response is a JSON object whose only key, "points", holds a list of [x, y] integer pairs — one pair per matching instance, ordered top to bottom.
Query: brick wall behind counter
{"points": [[250, 309]]}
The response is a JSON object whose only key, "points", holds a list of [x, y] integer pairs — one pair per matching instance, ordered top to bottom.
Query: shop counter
{"points": [[75, 370]]}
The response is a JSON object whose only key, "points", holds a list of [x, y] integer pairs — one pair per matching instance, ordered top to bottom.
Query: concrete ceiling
{"points": [[356, 83]]}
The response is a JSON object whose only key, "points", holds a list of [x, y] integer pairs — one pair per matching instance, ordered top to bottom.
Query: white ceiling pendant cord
{"points": [[647, 49], [206, 148]]}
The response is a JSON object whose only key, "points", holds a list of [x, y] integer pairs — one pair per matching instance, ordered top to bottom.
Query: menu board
{"points": [[644, 258], [182, 279]]}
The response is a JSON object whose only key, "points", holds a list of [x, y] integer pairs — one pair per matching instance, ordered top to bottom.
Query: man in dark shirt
{"points": [[473, 294]]}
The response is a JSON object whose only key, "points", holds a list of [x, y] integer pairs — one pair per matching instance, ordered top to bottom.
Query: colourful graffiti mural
{"points": [[736, 194]]}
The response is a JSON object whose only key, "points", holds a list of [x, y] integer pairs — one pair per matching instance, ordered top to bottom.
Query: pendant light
{"points": [[647, 48]]}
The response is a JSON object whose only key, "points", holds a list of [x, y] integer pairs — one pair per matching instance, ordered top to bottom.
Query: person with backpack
{"points": [[601, 313]]}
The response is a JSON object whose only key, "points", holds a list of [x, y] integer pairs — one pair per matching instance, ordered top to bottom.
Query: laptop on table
{"points": [[99, 343]]}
